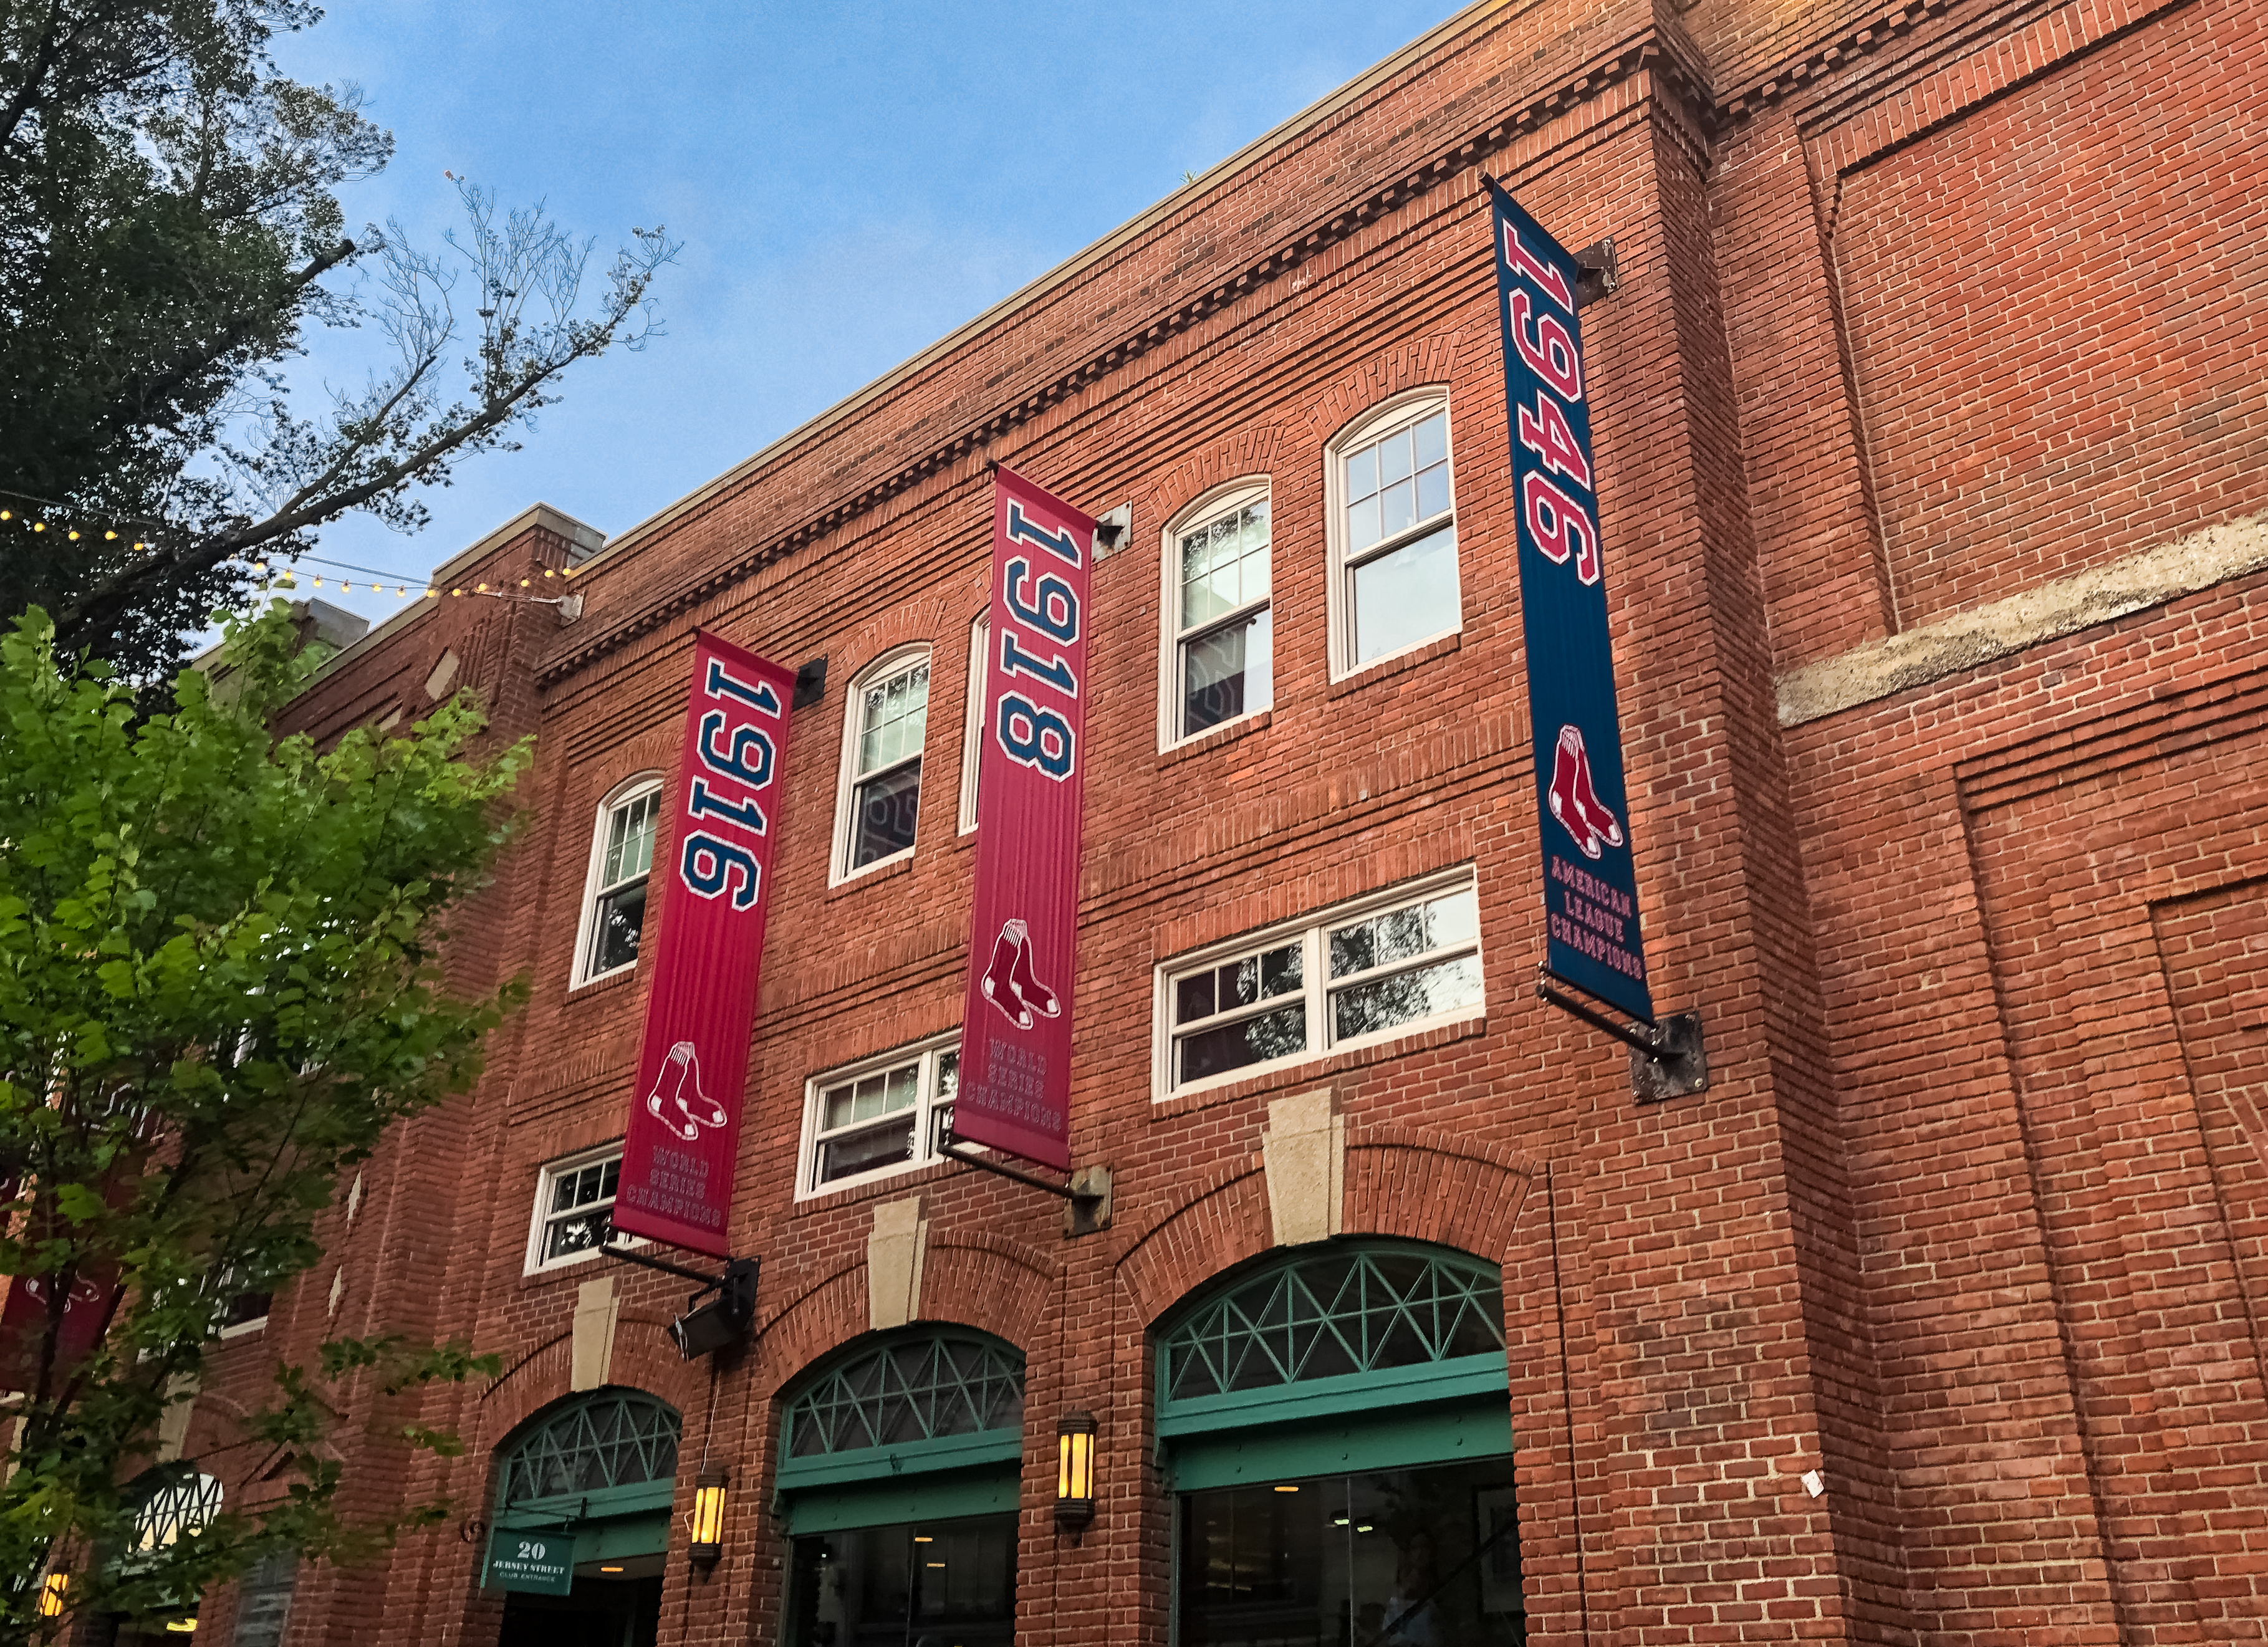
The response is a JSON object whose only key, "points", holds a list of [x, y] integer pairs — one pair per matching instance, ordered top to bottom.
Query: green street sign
{"points": [[544, 1562]]}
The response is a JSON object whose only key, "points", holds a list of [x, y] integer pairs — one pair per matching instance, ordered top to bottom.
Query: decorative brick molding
{"points": [[2013, 54]]}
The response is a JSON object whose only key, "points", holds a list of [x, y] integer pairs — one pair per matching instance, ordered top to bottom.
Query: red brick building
{"points": [[1930, 445]]}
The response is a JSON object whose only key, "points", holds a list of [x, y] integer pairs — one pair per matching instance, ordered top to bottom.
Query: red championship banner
{"points": [[712, 864], [1015, 1026]]}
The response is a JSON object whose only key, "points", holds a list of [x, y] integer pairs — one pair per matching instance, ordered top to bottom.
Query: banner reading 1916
{"points": [[712, 861], [1590, 883], [1015, 1034]]}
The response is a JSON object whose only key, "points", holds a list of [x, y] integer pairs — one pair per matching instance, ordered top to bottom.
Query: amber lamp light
{"points": [[1075, 1472], [708, 1519], [51, 1595]]}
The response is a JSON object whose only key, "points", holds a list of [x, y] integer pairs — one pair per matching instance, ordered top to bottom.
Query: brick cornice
{"points": [[1655, 49]]}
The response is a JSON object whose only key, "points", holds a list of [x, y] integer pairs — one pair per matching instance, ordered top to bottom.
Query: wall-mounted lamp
{"points": [[1075, 1472], [708, 1519], [52, 1590]]}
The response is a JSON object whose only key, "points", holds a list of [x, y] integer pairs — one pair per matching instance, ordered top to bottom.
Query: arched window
{"points": [[1392, 525], [1220, 628], [885, 720], [614, 887], [1380, 1316], [936, 1387], [1335, 1417], [610, 1439], [899, 1472], [587, 1480], [179, 1505]]}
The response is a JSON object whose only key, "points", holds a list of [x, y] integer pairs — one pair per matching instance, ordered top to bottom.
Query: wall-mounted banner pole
{"points": [[712, 862], [1592, 940], [1016, 1018]]}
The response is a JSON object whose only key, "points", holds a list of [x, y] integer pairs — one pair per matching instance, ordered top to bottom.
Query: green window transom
{"points": [[1332, 1313], [928, 1389], [613, 1439]]}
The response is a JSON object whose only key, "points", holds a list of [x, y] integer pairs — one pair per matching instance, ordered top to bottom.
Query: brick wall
{"points": [[1969, 1218]]}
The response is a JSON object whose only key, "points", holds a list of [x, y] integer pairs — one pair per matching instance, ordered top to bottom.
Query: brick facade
{"points": [[1923, 308]]}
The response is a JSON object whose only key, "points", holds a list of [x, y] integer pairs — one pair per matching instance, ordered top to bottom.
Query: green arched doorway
{"points": [[1332, 1423], [599, 1469], [900, 1472]]}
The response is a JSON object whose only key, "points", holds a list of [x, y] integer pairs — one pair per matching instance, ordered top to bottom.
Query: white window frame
{"points": [[1412, 406], [1173, 638], [972, 725], [846, 783], [629, 790], [1311, 930], [928, 1051], [539, 1218], [251, 1324]]}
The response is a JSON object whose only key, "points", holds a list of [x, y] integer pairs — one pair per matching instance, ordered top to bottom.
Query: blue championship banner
{"points": [[1590, 884]]}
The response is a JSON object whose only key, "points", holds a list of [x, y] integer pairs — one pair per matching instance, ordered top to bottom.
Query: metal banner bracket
{"points": [[1598, 272], [1668, 1059], [1087, 1199]]}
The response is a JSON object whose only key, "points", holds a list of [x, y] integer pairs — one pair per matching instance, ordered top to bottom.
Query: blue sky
{"points": [[850, 183]]}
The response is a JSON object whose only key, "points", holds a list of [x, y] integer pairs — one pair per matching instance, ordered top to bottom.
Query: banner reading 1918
{"points": [[712, 864], [1590, 883], [1015, 1037]]}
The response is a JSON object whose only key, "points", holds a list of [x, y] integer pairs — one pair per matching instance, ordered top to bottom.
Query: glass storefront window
{"points": [[1424, 1557], [922, 1584]]}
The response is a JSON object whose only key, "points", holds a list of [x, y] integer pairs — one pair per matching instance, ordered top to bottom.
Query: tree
{"points": [[168, 228], [218, 988]]}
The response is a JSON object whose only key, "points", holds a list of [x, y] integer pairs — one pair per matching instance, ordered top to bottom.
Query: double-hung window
{"points": [[1393, 533], [1222, 665], [882, 762], [621, 859], [1365, 972], [879, 1115], [574, 1207]]}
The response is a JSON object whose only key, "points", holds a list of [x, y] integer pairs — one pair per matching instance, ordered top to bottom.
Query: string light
{"points": [[39, 526], [109, 537]]}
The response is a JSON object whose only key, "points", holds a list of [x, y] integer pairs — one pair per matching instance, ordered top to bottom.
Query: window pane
{"points": [[1432, 439], [1393, 457], [1362, 473], [1432, 491], [1397, 507], [1362, 524], [1407, 595], [1227, 672], [894, 716], [885, 809], [622, 918], [1452, 920], [1405, 997], [1193, 998], [1232, 1046], [885, 1145], [585, 1232]]}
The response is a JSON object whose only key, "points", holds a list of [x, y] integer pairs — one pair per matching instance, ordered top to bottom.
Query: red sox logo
{"points": [[1574, 802], [1009, 983], [677, 1089]]}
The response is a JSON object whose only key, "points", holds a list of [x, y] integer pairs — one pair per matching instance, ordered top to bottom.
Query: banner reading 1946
{"points": [[712, 864], [1590, 883], [1015, 1034]]}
